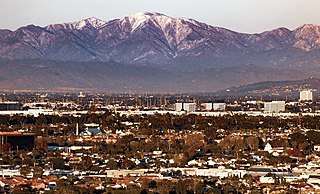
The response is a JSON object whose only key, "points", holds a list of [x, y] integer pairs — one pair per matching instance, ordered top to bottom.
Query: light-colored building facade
{"points": [[306, 95], [182, 106], [215, 106], [219, 106], [275, 106]]}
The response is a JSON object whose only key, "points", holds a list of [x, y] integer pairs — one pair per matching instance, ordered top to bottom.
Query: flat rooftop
{"points": [[15, 133]]}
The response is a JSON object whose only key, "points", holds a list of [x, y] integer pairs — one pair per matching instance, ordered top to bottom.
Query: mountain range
{"points": [[153, 52]]}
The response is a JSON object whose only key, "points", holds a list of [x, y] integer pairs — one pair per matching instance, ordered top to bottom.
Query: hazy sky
{"points": [[239, 15]]}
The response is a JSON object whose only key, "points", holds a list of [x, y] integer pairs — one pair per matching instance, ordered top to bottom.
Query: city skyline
{"points": [[246, 16]]}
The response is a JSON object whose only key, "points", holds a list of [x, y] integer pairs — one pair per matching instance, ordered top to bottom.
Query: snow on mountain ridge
{"points": [[140, 18], [94, 22], [174, 30], [151, 37]]}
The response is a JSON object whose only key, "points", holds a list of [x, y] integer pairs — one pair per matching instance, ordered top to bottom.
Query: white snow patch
{"points": [[94, 22]]}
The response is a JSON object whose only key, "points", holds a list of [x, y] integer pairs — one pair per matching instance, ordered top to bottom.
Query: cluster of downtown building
{"points": [[162, 105], [269, 107]]}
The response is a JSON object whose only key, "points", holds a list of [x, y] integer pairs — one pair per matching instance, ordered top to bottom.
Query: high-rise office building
{"points": [[306, 95], [182, 106], [215, 106], [275, 106]]}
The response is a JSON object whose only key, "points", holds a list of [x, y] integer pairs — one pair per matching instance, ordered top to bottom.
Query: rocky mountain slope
{"points": [[201, 56]]}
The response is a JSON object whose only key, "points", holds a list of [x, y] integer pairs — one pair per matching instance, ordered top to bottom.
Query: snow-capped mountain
{"points": [[146, 37], [202, 52]]}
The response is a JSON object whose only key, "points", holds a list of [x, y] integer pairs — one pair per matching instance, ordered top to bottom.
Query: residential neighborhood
{"points": [[85, 146]]}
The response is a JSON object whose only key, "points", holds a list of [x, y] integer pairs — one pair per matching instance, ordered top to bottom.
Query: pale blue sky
{"points": [[239, 15]]}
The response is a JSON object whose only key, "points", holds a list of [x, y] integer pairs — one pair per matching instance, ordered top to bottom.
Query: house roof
{"points": [[94, 131]]}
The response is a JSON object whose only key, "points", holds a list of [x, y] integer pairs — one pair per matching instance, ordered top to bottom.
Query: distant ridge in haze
{"points": [[177, 55], [271, 88]]}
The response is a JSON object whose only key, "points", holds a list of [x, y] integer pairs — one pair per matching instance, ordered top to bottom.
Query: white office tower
{"points": [[306, 95], [207, 105], [178, 106], [215, 106], [219, 106], [275, 106], [189, 107]]}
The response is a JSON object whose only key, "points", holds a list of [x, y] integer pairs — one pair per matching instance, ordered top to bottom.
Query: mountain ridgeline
{"points": [[153, 52]]}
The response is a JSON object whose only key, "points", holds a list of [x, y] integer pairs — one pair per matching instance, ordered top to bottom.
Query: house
{"points": [[93, 131], [17, 140], [268, 147], [316, 147], [197, 163], [210, 163], [267, 179]]}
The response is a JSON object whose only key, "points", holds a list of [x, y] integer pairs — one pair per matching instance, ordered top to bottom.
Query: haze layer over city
{"points": [[158, 96]]}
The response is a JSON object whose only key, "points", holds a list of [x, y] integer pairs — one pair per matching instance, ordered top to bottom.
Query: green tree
{"points": [[314, 137], [298, 141], [252, 143], [86, 162], [57, 163], [25, 170], [37, 171], [152, 184], [181, 187]]}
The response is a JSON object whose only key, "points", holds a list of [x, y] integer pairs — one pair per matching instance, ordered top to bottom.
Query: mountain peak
{"points": [[140, 18], [92, 21], [309, 28], [279, 32], [307, 37]]}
